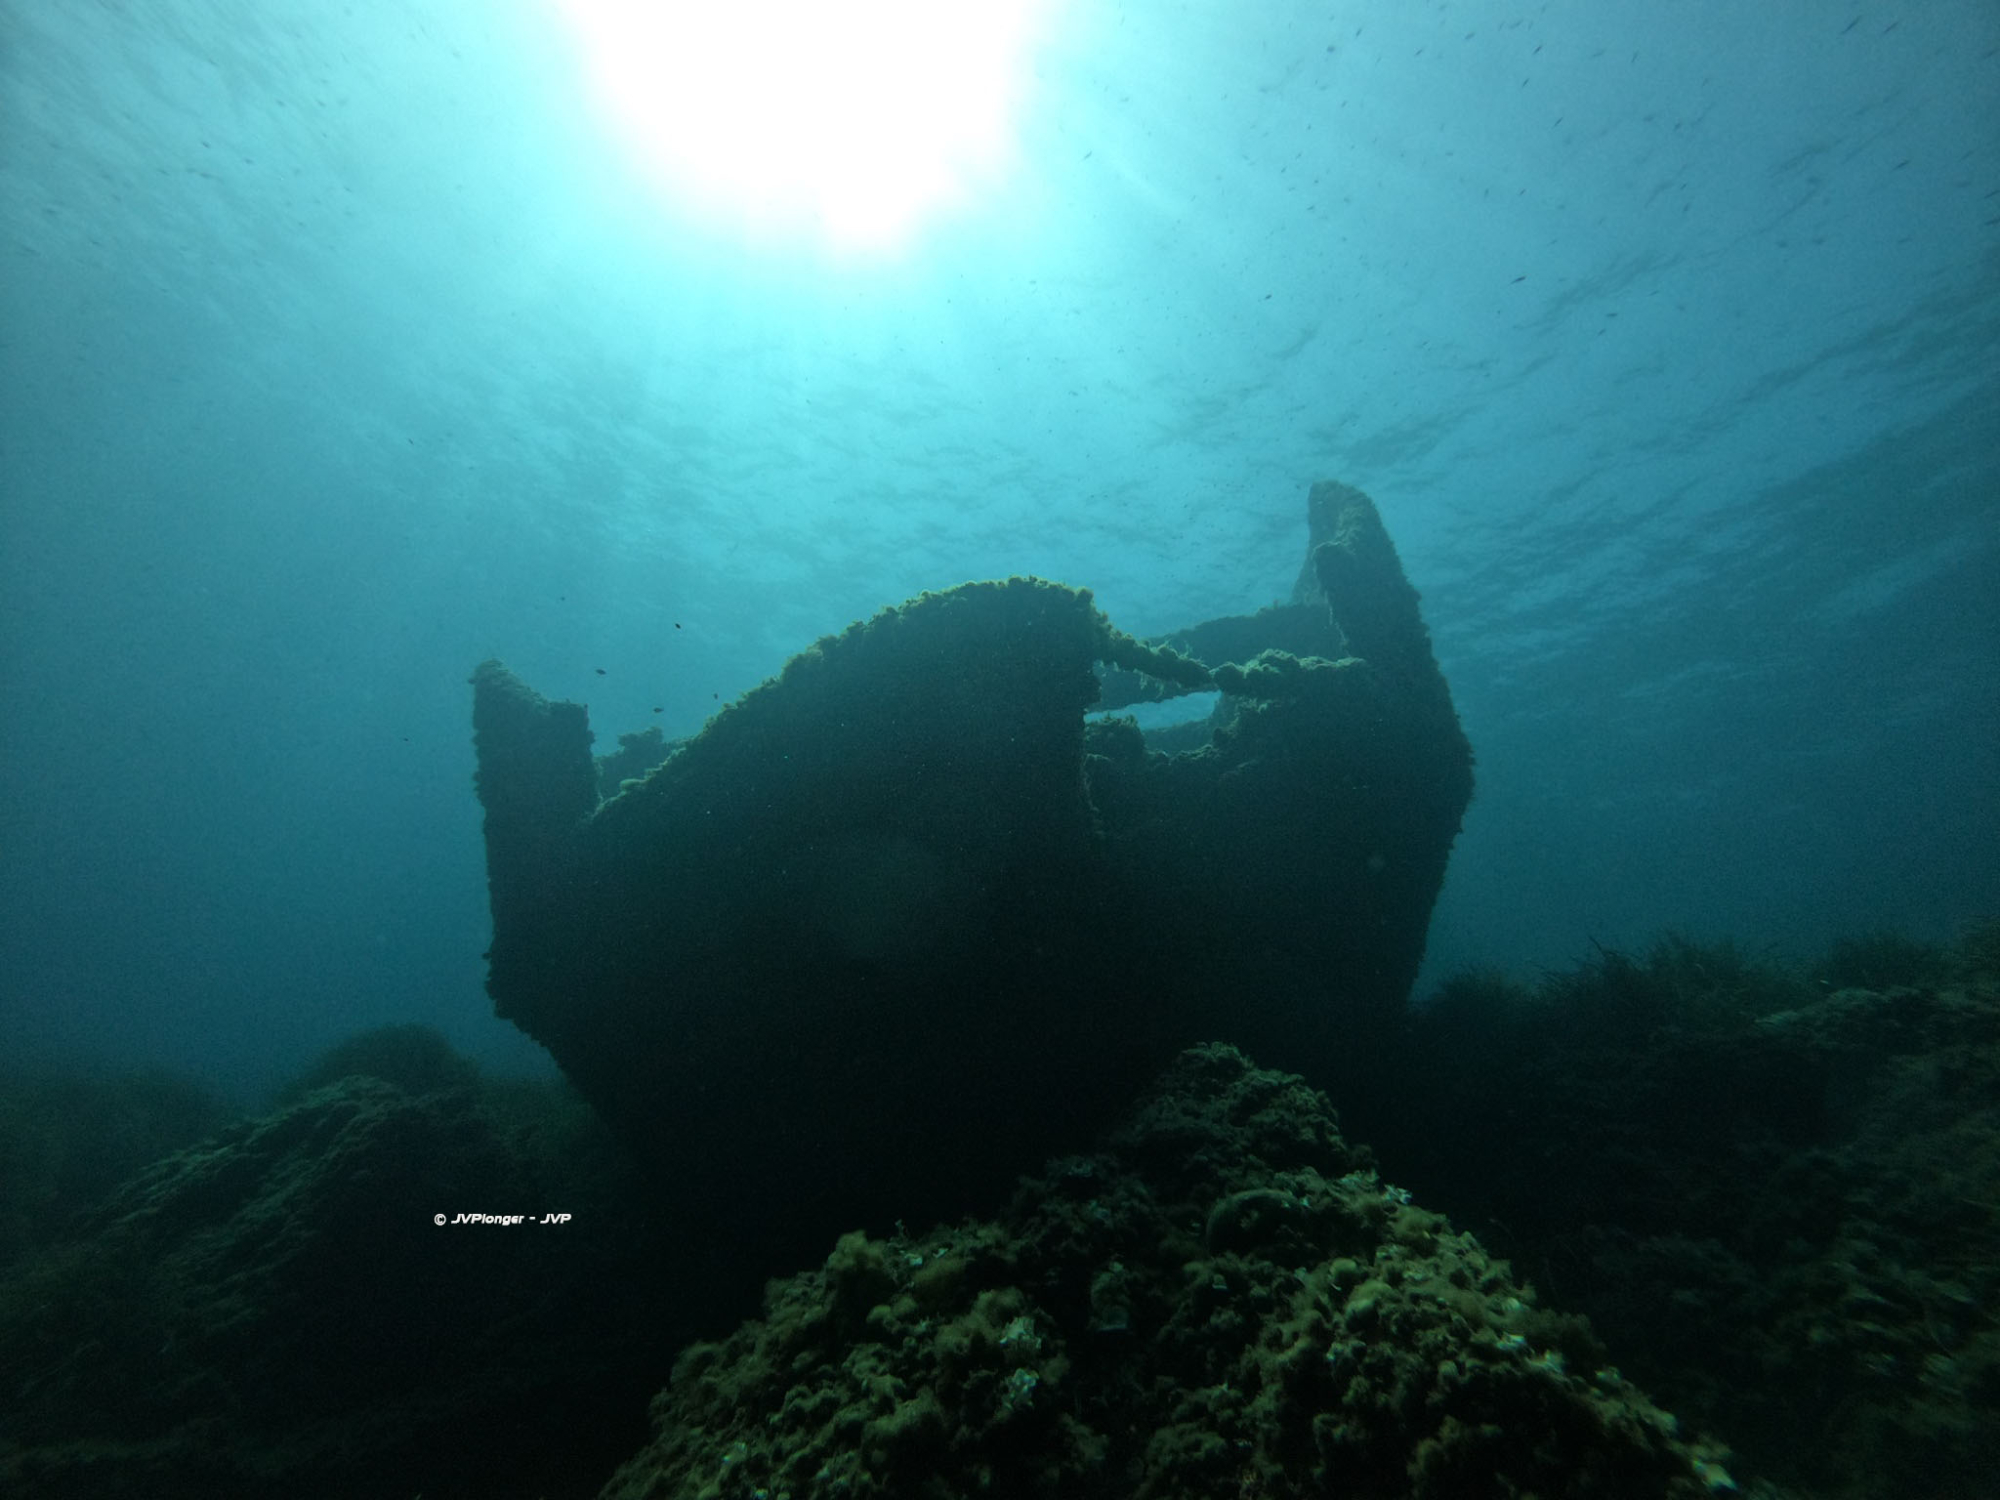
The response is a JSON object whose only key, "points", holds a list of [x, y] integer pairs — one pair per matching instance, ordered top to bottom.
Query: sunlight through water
{"points": [[851, 123]]}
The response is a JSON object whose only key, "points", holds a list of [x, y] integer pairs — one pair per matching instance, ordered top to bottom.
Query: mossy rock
{"points": [[1778, 1200], [1224, 1300], [273, 1310]]}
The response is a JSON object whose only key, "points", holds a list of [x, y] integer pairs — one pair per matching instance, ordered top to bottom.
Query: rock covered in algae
{"points": [[901, 923], [1776, 1196], [1224, 1300], [275, 1310]]}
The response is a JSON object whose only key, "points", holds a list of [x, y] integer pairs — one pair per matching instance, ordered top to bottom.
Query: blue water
{"points": [[343, 345]]}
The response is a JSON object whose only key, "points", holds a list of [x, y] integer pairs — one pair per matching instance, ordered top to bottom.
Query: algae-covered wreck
{"points": [[901, 922]]}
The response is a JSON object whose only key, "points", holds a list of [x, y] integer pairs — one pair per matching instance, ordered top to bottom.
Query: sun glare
{"points": [[850, 120]]}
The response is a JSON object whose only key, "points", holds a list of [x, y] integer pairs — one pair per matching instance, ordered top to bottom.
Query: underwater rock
{"points": [[900, 923], [65, 1141], [1778, 1203], [1223, 1300], [275, 1311]]}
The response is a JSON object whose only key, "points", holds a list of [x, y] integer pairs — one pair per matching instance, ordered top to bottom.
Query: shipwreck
{"points": [[915, 914]]}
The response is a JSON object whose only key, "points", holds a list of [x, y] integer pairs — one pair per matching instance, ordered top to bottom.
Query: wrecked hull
{"points": [[900, 922]]}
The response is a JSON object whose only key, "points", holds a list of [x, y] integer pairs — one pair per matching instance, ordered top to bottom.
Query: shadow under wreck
{"points": [[902, 922]]}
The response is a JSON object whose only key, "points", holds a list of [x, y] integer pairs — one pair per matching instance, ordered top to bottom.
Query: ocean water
{"points": [[344, 345]]}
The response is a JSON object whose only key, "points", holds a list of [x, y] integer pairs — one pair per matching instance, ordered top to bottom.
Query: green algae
{"points": [[1775, 1199], [1285, 1324]]}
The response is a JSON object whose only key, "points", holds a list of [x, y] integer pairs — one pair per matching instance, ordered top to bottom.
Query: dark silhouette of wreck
{"points": [[901, 923]]}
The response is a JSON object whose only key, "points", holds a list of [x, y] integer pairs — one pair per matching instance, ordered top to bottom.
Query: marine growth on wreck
{"points": [[904, 920]]}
